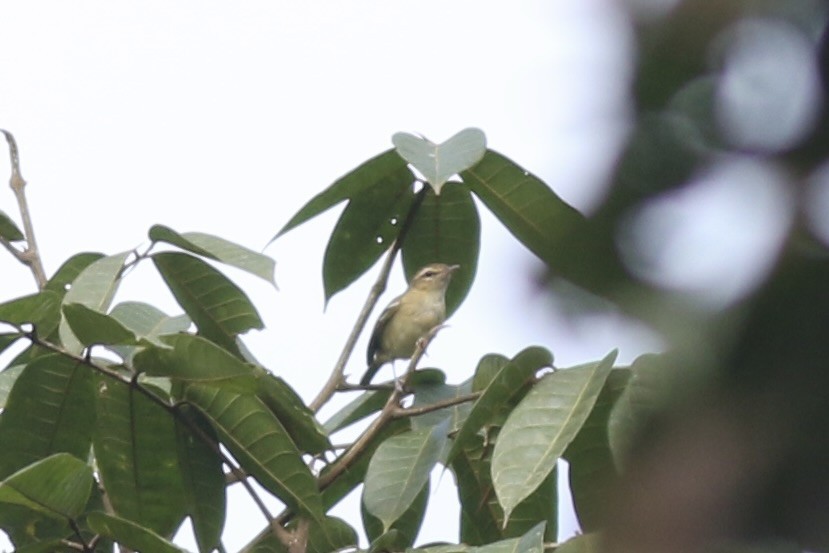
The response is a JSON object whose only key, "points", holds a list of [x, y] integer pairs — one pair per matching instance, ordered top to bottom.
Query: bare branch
{"points": [[31, 255], [401, 412]]}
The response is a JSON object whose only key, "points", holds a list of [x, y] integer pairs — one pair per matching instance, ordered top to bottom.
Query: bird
{"points": [[409, 317]]}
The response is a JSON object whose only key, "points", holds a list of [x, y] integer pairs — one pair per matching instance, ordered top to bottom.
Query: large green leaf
{"points": [[439, 162], [366, 176], [366, 228], [445, 229], [9, 230], [217, 249], [69, 271], [94, 287], [219, 308], [41, 310], [146, 322], [93, 327], [195, 359], [510, 378], [7, 379], [429, 393], [50, 409], [357, 409], [295, 416], [539, 429], [260, 443], [135, 447], [399, 469], [591, 469], [204, 481], [57, 486], [403, 531], [130, 534]]}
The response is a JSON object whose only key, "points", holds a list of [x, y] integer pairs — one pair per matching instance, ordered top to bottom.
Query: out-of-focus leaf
{"points": [[439, 162], [366, 176], [366, 228], [445, 229], [9, 230], [218, 249], [69, 271], [94, 287], [219, 308], [41, 310], [93, 327], [198, 360], [7, 379], [509, 379], [50, 409], [295, 416], [539, 429], [260, 443], [135, 448], [399, 469], [591, 471], [204, 481], [57, 486], [403, 531], [130, 534], [586, 543]]}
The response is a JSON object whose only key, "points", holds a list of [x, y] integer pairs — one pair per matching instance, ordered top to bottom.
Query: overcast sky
{"points": [[225, 117]]}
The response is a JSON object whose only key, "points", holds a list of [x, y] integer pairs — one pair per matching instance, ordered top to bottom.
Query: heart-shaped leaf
{"points": [[438, 162]]}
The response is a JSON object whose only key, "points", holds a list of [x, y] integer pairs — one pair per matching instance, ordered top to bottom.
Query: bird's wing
{"points": [[374, 343]]}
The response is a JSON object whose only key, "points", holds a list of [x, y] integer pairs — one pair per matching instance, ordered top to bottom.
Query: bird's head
{"points": [[434, 276]]}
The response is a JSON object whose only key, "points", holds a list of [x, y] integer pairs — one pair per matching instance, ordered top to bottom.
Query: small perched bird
{"points": [[409, 317]]}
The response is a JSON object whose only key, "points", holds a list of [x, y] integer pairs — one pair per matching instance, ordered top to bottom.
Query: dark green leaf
{"points": [[438, 162], [362, 178], [366, 228], [445, 229], [9, 230], [217, 249], [69, 271], [219, 308], [41, 310], [147, 321], [91, 327], [7, 339], [7, 379], [503, 385], [359, 408], [51, 409], [295, 416], [541, 427], [260, 443], [135, 447], [592, 472], [57, 486], [404, 530], [130, 534], [333, 534], [587, 543]]}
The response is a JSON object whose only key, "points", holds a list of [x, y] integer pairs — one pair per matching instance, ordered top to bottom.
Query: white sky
{"points": [[225, 117]]}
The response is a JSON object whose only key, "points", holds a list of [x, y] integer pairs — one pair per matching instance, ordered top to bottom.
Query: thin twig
{"points": [[31, 255], [336, 379], [402, 412]]}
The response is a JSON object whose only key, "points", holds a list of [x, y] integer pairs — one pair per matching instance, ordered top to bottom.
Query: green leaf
{"points": [[438, 162], [366, 176], [532, 212], [366, 228], [445, 229], [9, 230], [217, 249], [69, 271], [94, 287], [219, 308], [41, 310], [146, 322], [91, 327], [195, 359], [488, 368], [7, 379], [506, 382], [431, 393], [645, 394], [359, 408], [50, 409], [295, 416], [539, 429], [260, 443], [135, 447], [398, 471], [592, 472], [204, 481], [57, 486], [403, 531], [130, 534], [332, 534], [586, 543]]}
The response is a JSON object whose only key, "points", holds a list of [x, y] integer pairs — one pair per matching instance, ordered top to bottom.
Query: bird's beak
{"points": [[453, 268]]}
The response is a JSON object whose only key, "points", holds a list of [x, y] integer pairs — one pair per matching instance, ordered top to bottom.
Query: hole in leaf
{"points": [[393, 221], [379, 239]]}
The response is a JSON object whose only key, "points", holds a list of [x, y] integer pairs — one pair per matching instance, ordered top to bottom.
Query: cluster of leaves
{"points": [[119, 422]]}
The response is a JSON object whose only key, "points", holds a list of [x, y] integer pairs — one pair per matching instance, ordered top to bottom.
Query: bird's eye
{"points": [[429, 274]]}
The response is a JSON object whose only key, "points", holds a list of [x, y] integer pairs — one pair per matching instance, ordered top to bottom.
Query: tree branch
{"points": [[31, 255], [336, 378], [401, 412]]}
